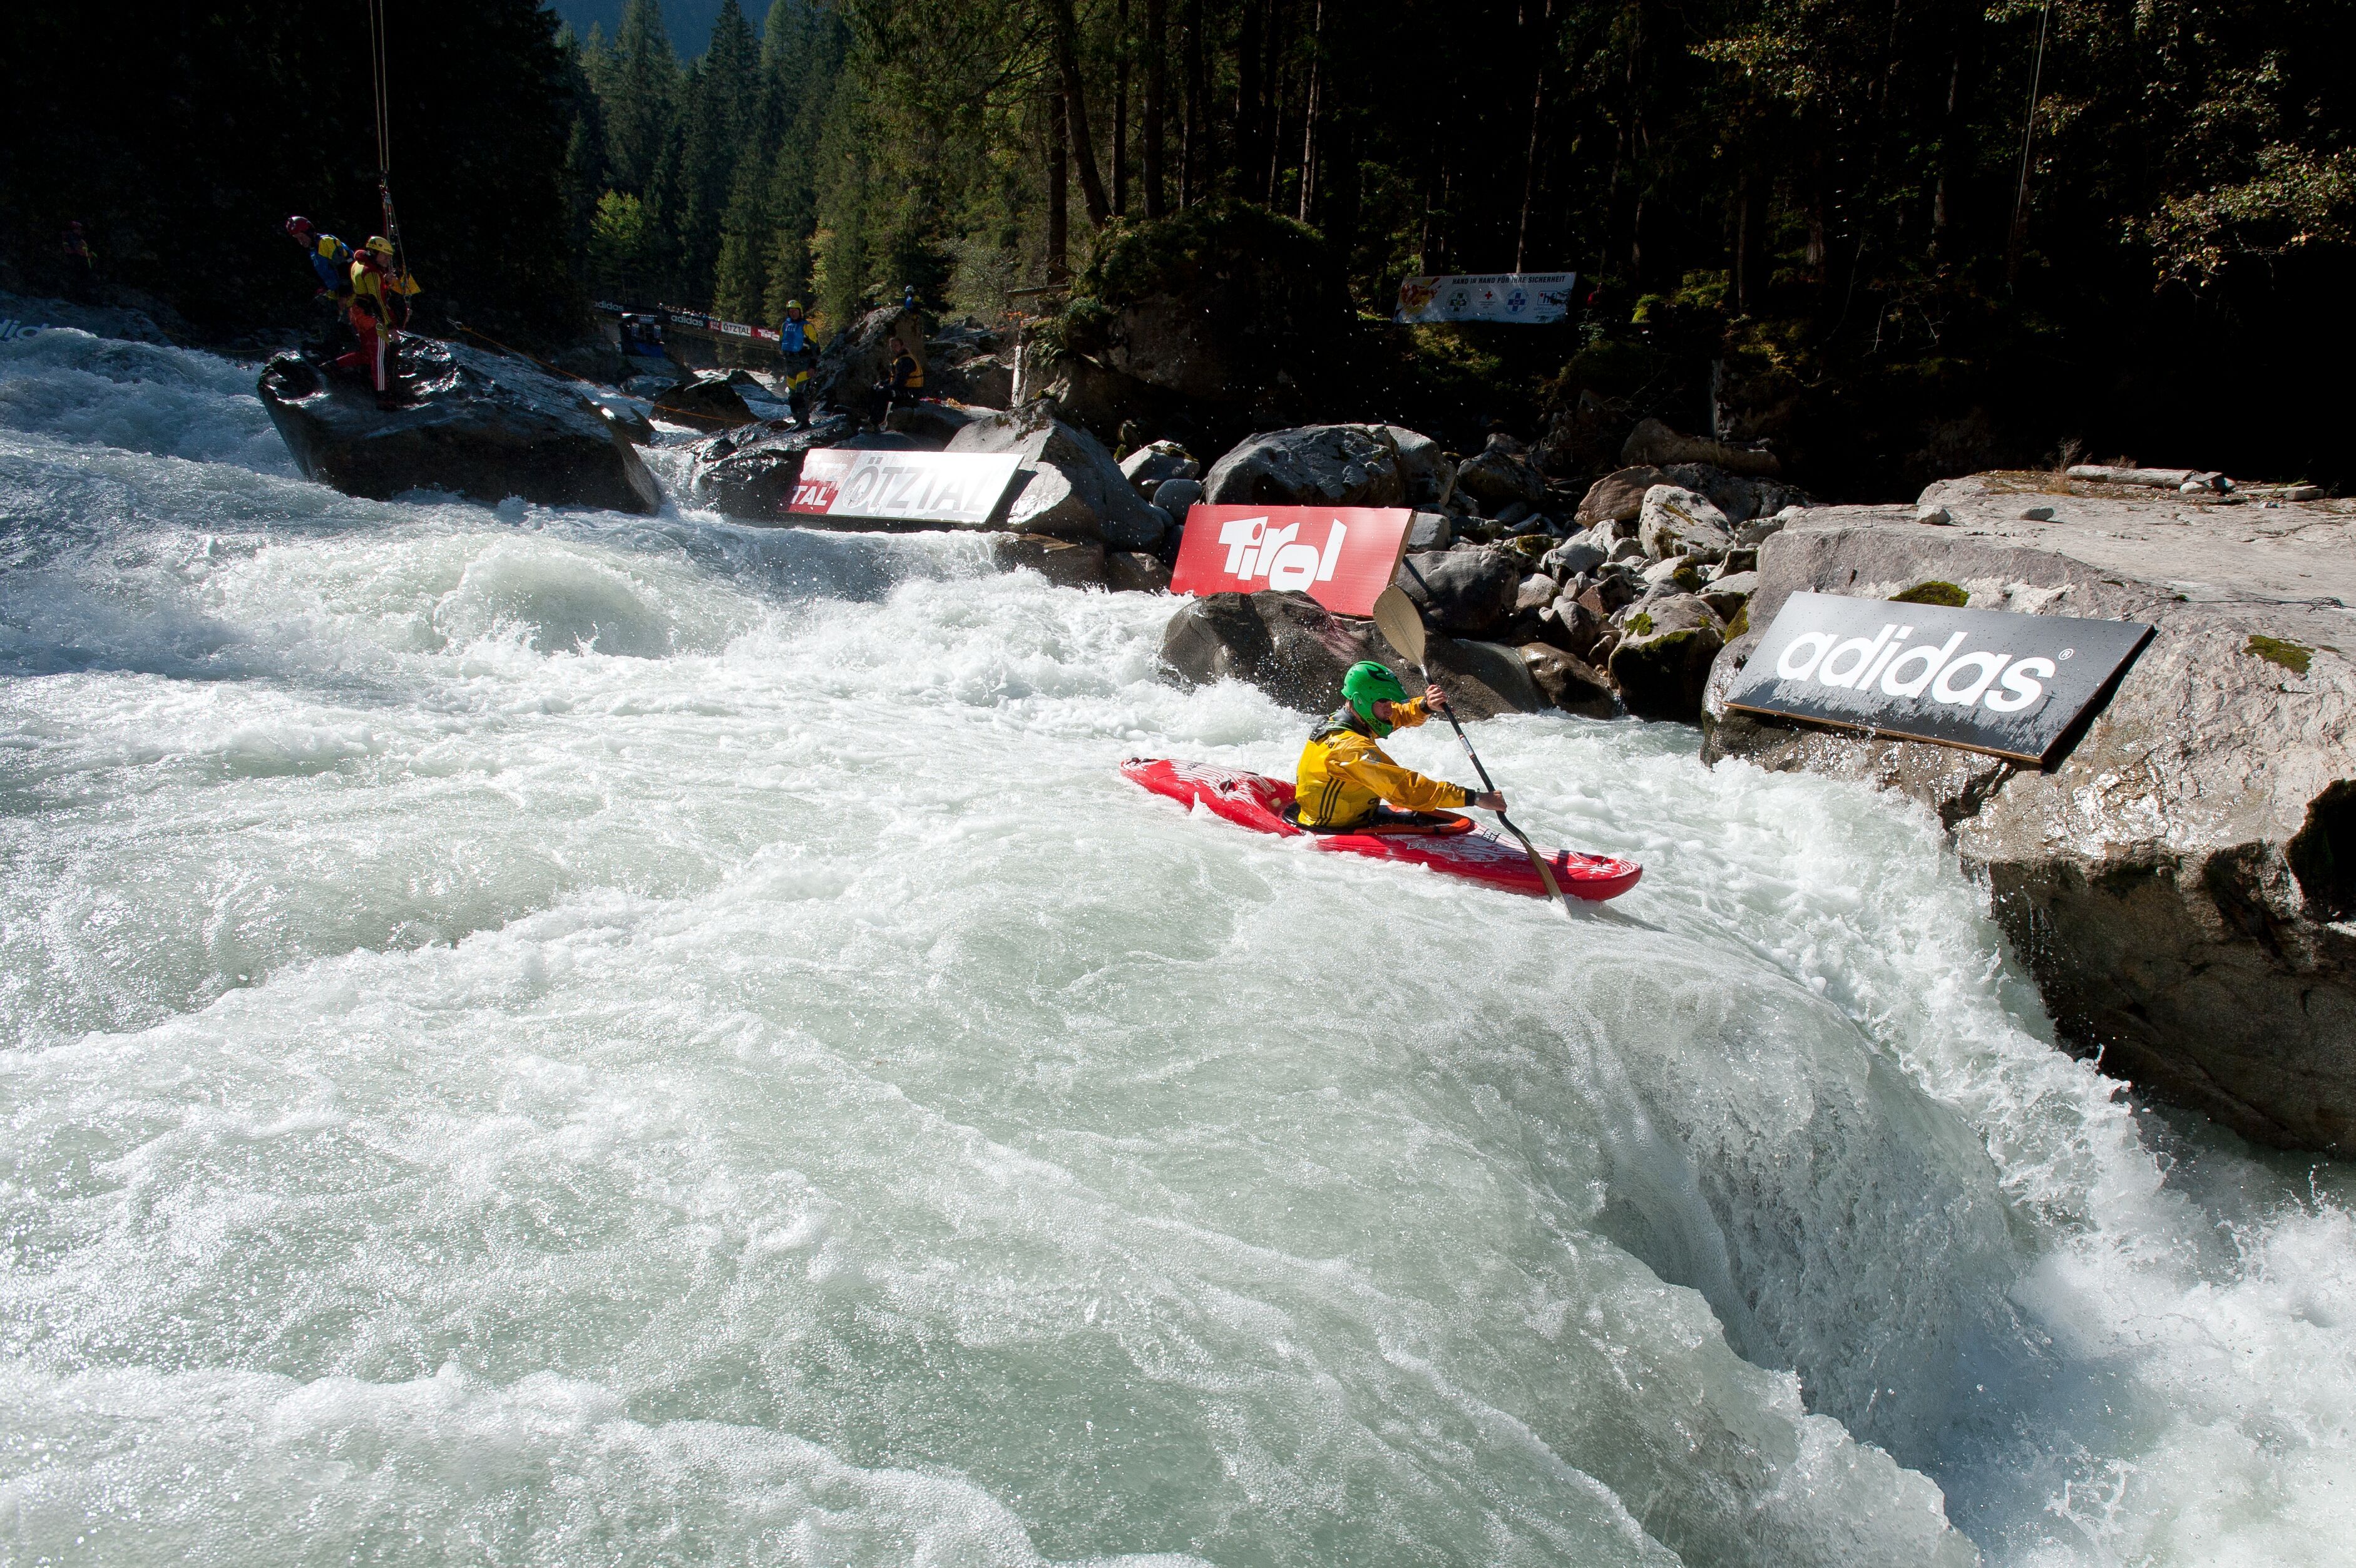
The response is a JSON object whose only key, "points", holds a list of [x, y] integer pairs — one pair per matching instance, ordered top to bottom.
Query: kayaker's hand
{"points": [[1434, 698], [1491, 802]]}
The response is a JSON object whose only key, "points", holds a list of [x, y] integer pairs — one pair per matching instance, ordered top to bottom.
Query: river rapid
{"points": [[543, 1036]]}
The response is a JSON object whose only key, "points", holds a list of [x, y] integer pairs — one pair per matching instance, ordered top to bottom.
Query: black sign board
{"points": [[2011, 685]]}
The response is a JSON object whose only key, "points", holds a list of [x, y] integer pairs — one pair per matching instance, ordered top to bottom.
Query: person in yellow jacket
{"points": [[380, 309], [1344, 780]]}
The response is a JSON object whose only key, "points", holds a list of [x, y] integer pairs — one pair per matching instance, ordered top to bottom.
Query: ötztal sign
{"points": [[947, 490], [1343, 557], [2011, 685]]}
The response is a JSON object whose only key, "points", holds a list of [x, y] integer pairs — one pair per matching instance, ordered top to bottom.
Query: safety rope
{"points": [[381, 77]]}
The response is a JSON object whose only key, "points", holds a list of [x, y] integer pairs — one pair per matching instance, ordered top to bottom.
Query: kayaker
{"points": [[1344, 780]]}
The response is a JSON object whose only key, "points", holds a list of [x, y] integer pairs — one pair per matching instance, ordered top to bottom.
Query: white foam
{"points": [[596, 1037]]}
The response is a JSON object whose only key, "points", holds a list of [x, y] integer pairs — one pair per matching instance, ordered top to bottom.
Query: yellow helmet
{"points": [[379, 244], [793, 305]]}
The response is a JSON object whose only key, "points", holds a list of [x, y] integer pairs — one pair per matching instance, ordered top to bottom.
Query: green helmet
{"points": [[1366, 684]]}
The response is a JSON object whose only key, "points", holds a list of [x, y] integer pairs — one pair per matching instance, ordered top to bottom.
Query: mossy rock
{"points": [[1134, 261], [1531, 547], [1934, 593], [1640, 624], [1740, 624], [2291, 656]]}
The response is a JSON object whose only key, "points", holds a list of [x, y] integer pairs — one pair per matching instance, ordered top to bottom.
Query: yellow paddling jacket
{"points": [[1344, 775]]}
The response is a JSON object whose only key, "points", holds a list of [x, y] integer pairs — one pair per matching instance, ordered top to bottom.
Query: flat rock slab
{"points": [[473, 424], [2182, 883]]}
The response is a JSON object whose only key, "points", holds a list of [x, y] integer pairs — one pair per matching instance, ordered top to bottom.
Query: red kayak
{"points": [[1442, 840]]}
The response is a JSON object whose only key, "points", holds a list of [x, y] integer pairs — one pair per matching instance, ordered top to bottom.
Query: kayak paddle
{"points": [[1401, 625]]}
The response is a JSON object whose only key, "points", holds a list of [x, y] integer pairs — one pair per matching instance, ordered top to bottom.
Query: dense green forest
{"points": [[1901, 236]]}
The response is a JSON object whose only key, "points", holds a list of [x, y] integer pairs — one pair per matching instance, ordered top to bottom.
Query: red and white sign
{"points": [[957, 489], [1343, 557]]}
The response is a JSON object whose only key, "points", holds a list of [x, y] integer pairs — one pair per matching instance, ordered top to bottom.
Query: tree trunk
{"points": [[1157, 86], [1120, 110], [1075, 114], [1309, 120], [1250, 160], [1530, 160], [1194, 164], [1059, 179]]}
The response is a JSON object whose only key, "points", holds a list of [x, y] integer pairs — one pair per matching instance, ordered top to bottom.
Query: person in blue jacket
{"points": [[331, 263]]}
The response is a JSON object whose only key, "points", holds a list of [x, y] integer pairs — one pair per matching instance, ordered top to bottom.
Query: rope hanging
{"points": [[379, 29]]}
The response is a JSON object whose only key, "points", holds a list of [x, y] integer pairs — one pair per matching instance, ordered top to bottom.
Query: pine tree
{"points": [[641, 95]]}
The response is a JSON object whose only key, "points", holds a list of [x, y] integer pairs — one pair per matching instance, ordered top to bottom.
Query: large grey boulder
{"points": [[860, 356], [711, 399], [478, 424], [1156, 464], [1314, 465], [750, 474], [1501, 474], [1429, 477], [1070, 486], [1618, 497], [1678, 522], [1467, 593], [1296, 651], [1663, 662], [1569, 681], [2182, 883]]}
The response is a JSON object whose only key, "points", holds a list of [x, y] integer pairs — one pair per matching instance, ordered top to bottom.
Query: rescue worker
{"points": [[331, 264], [380, 309], [793, 332], [794, 349], [903, 384], [1345, 781]]}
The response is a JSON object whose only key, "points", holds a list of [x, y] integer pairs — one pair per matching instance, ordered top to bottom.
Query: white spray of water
{"points": [[571, 1037]]}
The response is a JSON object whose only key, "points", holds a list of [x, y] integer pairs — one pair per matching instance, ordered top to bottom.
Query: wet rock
{"points": [[713, 399], [470, 423], [1653, 442], [1313, 465], [750, 474], [1502, 474], [1070, 487], [1619, 497], [1676, 522], [1067, 562], [1133, 571], [1466, 592], [1573, 626], [1661, 663], [1483, 680], [1569, 683], [2181, 883]]}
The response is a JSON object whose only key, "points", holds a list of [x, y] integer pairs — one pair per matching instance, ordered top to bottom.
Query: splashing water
{"points": [[553, 1036]]}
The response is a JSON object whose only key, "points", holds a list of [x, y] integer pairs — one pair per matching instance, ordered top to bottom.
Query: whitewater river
{"points": [[546, 1038]]}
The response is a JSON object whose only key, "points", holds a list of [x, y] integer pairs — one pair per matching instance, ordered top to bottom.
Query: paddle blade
{"points": [[1401, 624]]}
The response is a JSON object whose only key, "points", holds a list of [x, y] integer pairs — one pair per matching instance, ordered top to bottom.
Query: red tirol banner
{"points": [[1343, 557]]}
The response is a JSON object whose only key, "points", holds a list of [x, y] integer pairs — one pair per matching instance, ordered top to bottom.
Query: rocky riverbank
{"points": [[2181, 883]]}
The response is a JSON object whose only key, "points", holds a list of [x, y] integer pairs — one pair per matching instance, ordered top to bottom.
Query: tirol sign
{"points": [[948, 490], [1343, 557], [2011, 685]]}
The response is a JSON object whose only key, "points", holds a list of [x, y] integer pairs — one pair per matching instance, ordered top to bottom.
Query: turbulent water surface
{"points": [[538, 1037]]}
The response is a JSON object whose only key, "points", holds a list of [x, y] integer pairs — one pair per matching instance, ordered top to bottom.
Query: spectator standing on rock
{"points": [[331, 264], [81, 267], [903, 384], [1344, 780]]}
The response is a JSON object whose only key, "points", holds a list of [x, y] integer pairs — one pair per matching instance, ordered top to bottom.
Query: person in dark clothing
{"points": [[331, 266], [81, 267], [905, 382]]}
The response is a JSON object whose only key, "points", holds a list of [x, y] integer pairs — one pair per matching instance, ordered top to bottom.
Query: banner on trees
{"points": [[1533, 298], [951, 490], [1343, 557], [2011, 685]]}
